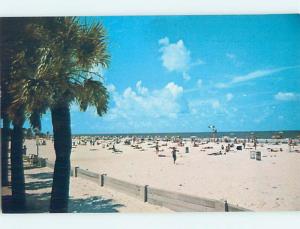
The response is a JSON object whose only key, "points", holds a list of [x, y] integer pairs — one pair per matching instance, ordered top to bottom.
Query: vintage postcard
{"points": [[114, 114]]}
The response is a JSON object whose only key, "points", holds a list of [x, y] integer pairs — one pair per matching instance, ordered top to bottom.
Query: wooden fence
{"points": [[173, 200]]}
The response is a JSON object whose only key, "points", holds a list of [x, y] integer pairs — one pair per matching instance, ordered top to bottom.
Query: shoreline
{"points": [[240, 134]]}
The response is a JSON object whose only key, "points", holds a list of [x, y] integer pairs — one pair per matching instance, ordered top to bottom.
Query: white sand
{"points": [[267, 185], [85, 196]]}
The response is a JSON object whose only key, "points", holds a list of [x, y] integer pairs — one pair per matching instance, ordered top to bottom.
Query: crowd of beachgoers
{"points": [[258, 174]]}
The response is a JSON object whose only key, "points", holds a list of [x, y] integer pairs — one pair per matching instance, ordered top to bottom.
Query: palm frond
{"points": [[92, 93]]}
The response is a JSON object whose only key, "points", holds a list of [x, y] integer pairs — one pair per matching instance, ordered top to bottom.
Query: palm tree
{"points": [[86, 47], [11, 48], [20, 57], [53, 68], [64, 75], [90, 93]]}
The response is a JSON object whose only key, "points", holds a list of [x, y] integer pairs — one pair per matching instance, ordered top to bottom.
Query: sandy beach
{"points": [[271, 184], [85, 196]]}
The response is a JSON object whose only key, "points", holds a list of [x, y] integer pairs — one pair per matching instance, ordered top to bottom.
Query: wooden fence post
{"points": [[76, 171], [102, 177], [145, 193], [226, 206]]}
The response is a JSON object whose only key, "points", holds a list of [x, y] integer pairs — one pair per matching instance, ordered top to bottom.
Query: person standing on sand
{"points": [[255, 144], [290, 144], [157, 148], [227, 148], [174, 154]]}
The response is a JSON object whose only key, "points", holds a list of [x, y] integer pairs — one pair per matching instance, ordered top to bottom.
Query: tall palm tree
{"points": [[20, 46], [10, 47], [83, 47], [65, 75]]}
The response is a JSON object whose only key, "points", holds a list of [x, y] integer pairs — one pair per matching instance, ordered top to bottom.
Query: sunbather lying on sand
{"points": [[215, 154]]}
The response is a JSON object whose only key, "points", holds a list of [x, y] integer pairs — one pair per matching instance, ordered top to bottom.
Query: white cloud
{"points": [[164, 41], [175, 56], [253, 75], [186, 76], [111, 88], [174, 89], [142, 90], [229, 96], [286, 96], [144, 103]]}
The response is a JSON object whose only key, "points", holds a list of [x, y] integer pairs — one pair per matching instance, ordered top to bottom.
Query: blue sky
{"points": [[182, 73]]}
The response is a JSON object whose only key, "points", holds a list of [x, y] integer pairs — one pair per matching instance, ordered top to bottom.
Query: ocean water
{"points": [[239, 134]]}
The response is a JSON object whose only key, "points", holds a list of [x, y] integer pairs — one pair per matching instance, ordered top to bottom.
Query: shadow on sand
{"points": [[41, 176], [36, 185], [40, 202], [94, 204]]}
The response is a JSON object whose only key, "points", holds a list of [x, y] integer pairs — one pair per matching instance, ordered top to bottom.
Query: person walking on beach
{"points": [[255, 144], [290, 144], [157, 148], [174, 154]]}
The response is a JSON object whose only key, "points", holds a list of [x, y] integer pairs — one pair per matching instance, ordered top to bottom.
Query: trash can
{"points": [[187, 150], [252, 154], [258, 155]]}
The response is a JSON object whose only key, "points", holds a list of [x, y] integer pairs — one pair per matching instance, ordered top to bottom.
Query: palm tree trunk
{"points": [[62, 143], [4, 150], [17, 170]]}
